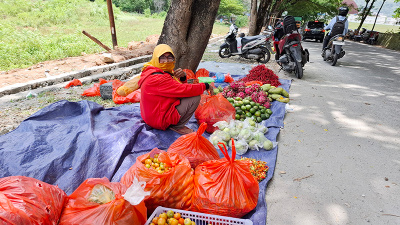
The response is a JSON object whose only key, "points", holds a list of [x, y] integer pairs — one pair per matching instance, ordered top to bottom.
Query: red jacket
{"points": [[160, 94]]}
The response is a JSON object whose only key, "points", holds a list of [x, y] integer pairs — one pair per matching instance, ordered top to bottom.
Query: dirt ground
{"points": [[55, 67]]}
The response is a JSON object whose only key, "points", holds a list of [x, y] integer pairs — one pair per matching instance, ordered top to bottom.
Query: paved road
{"points": [[339, 152]]}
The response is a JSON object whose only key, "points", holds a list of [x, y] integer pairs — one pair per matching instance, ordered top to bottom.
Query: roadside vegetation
{"points": [[378, 27], [36, 31]]}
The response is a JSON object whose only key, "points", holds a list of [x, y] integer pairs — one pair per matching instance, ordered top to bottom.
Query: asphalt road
{"points": [[339, 152]]}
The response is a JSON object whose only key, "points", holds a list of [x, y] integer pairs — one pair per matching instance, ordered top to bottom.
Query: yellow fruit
{"points": [[170, 214], [163, 215], [161, 221], [173, 221], [187, 221]]}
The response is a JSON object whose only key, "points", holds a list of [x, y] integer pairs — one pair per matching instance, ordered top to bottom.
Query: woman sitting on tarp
{"points": [[167, 100]]}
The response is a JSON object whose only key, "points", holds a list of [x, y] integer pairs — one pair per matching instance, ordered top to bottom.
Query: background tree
{"points": [[134, 5], [141, 5], [228, 7], [314, 9], [366, 11], [397, 11], [377, 14], [187, 29]]}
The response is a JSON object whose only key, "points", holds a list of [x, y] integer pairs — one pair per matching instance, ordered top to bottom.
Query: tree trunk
{"points": [[365, 13], [262, 14], [378, 14], [258, 16], [253, 18], [187, 29]]}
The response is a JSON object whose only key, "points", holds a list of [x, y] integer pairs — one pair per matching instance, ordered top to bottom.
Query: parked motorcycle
{"points": [[251, 47], [334, 50], [292, 56]]}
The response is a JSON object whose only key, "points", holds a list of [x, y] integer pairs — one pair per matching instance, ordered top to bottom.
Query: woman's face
{"points": [[166, 57]]}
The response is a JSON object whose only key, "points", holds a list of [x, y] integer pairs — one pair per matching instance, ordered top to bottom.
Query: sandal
{"points": [[183, 130]]}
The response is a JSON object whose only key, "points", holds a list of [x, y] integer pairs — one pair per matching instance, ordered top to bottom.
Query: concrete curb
{"points": [[120, 70]]}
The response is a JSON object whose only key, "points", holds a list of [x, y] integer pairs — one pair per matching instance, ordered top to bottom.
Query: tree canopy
{"points": [[228, 7], [314, 9], [397, 11]]}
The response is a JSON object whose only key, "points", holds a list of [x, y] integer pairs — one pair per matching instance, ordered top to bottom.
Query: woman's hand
{"points": [[178, 73], [211, 90]]}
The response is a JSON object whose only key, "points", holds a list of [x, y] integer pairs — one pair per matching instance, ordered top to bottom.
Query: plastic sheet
{"points": [[66, 143]]}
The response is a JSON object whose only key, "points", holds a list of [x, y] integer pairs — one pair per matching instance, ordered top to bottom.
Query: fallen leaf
{"points": [[325, 129]]}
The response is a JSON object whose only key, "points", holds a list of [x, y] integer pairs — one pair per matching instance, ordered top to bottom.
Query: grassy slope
{"points": [[378, 27], [36, 31]]}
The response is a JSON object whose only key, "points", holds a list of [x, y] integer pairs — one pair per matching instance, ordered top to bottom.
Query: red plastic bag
{"points": [[202, 73], [189, 74], [228, 78], [74, 82], [95, 90], [132, 97], [213, 109], [196, 148], [225, 187], [172, 188], [25, 200], [92, 203]]}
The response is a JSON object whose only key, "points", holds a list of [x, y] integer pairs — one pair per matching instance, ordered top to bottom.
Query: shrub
{"points": [[242, 21]]}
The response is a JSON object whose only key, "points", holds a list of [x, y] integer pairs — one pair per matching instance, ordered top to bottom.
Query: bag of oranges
{"points": [[214, 108], [195, 147], [168, 177], [225, 187], [26, 200], [99, 201]]}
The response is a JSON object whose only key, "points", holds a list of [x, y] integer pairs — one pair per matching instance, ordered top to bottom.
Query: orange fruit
{"points": [[163, 215], [177, 216], [155, 220], [161, 221], [173, 221], [181, 221]]}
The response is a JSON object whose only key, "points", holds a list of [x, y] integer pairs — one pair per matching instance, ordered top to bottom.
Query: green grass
{"points": [[378, 27], [36, 31]]}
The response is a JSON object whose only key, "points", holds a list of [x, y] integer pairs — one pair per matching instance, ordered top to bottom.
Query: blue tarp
{"points": [[66, 143]]}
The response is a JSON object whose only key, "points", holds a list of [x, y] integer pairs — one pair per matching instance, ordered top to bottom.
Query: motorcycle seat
{"points": [[246, 40]]}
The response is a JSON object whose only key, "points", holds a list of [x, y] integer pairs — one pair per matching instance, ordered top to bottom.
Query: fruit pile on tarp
{"points": [[66, 143]]}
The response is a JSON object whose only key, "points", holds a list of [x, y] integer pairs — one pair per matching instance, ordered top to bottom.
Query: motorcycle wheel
{"points": [[224, 52], [266, 56], [334, 59], [298, 70]]}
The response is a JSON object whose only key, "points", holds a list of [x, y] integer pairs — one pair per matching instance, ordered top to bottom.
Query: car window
{"points": [[312, 25]]}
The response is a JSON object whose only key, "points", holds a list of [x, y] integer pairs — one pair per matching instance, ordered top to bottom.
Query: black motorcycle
{"points": [[251, 47], [334, 49], [290, 54]]}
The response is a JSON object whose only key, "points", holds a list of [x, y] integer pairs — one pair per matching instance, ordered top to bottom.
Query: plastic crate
{"points": [[201, 218]]}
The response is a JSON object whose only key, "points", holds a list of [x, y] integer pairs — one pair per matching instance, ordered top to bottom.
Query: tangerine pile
{"points": [[154, 163], [171, 218]]}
